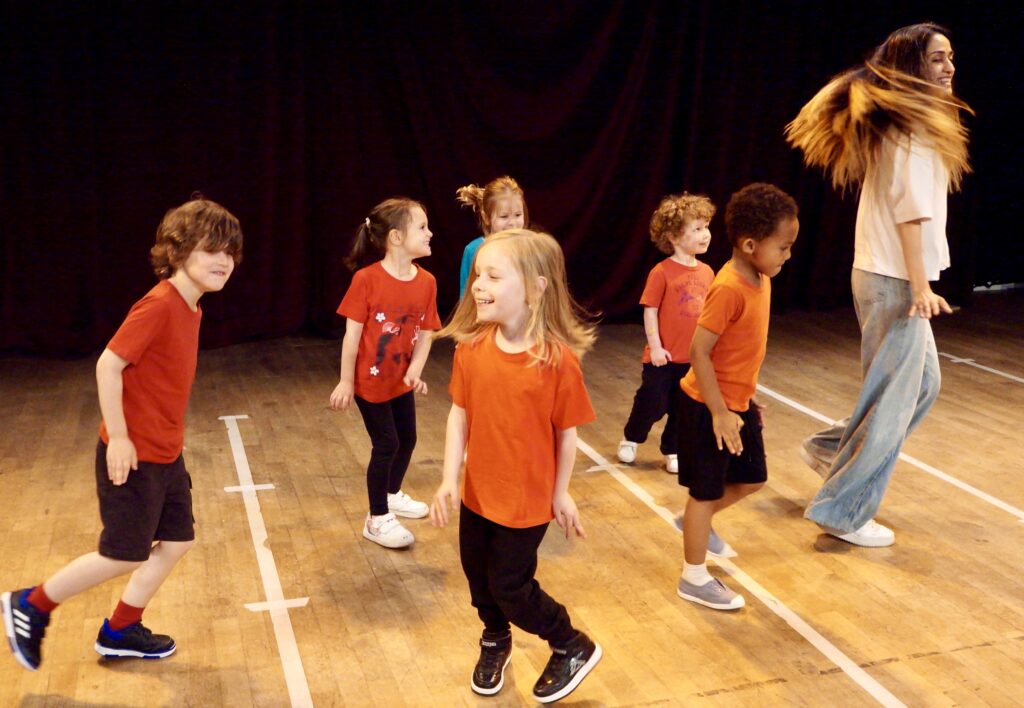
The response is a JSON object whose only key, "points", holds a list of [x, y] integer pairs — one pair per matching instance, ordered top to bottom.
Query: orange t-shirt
{"points": [[678, 291], [393, 312], [737, 312], [160, 341], [513, 412]]}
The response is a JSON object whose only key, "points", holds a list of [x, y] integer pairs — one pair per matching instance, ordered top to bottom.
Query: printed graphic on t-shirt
{"points": [[689, 291], [391, 328]]}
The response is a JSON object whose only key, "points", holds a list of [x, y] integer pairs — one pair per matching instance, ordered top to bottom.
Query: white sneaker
{"points": [[627, 452], [672, 464], [401, 504], [387, 531], [870, 535]]}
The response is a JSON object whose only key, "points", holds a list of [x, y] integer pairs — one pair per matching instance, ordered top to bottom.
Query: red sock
{"points": [[40, 600], [124, 615]]}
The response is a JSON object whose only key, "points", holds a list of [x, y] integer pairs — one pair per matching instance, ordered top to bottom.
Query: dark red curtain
{"points": [[300, 116]]}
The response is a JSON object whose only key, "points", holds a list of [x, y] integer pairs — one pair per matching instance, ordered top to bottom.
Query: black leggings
{"points": [[658, 394], [392, 429]]}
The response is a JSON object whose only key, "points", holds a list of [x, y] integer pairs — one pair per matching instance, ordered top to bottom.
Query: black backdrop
{"points": [[300, 116]]}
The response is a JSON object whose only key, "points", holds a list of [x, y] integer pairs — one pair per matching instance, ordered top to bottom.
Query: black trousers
{"points": [[658, 394], [392, 429], [500, 563]]}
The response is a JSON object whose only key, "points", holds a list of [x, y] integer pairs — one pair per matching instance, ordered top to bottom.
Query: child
{"points": [[891, 126], [498, 206], [672, 300], [387, 306], [726, 354], [144, 377], [518, 395]]}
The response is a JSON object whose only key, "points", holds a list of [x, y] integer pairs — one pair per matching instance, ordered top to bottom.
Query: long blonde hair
{"points": [[841, 129], [482, 200], [554, 314]]}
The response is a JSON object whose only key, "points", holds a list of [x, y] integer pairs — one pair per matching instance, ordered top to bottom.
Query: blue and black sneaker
{"points": [[25, 627], [135, 640]]}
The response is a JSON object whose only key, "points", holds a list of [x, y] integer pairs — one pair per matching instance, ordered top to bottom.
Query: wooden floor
{"points": [[935, 620]]}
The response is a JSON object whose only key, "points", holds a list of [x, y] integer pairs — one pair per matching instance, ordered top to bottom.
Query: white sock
{"points": [[696, 574]]}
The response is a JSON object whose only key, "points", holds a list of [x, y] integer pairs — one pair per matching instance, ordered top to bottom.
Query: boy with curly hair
{"points": [[672, 300], [144, 378], [721, 452]]}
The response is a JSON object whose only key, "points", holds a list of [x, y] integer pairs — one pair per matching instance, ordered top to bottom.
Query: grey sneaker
{"points": [[816, 460], [718, 547], [712, 594]]}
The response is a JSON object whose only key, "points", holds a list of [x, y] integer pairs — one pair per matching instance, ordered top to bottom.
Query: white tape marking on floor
{"points": [[976, 365], [924, 467], [252, 488], [267, 606], [288, 648], [829, 650]]}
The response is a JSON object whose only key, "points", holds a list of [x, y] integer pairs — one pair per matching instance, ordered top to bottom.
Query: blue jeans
{"points": [[900, 368]]}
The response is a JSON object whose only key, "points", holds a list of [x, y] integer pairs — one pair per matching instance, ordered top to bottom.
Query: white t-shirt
{"points": [[909, 182]]}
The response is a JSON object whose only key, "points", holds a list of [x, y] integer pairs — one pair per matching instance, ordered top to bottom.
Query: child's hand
{"points": [[927, 305], [660, 356], [418, 384], [341, 397], [759, 410], [727, 430], [121, 459], [444, 501], [567, 516]]}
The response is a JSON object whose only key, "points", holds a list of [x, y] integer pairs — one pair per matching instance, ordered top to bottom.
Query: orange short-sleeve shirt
{"points": [[678, 291], [393, 313], [738, 313], [160, 341], [514, 412]]}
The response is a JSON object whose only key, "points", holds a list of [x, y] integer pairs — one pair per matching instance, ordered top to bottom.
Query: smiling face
{"points": [[938, 62], [508, 213], [694, 239], [415, 240], [770, 253], [499, 290]]}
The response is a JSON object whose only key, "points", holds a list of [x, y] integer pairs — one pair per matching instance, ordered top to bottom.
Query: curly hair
{"points": [[842, 127], [483, 200], [756, 210], [671, 216], [198, 223]]}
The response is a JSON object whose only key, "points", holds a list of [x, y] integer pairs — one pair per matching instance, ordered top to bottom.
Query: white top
{"points": [[909, 182]]}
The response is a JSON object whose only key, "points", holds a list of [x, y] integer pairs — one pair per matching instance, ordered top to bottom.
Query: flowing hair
{"points": [[842, 128], [482, 200], [554, 315]]}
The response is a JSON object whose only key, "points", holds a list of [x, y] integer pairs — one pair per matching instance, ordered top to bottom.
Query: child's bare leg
{"points": [[733, 493], [696, 526], [83, 573], [148, 577]]}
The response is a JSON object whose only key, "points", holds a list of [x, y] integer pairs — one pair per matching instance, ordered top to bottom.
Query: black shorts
{"points": [[702, 466], [155, 504]]}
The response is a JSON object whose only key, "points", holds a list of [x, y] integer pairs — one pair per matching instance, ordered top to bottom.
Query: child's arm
{"points": [[926, 303], [420, 351], [659, 355], [341, 397], [726, 423], [454, 448], [121, 454], [567, 516]]}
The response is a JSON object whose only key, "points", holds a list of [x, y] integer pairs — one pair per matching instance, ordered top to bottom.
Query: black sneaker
{"points": [[25, 627], [133, 640], [566, 668], [489, 674]]}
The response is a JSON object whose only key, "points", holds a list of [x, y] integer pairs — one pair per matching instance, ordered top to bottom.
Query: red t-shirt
{"points": [[678, 291], [393, 312], [738, 313], [160, 341], [513, 412]]}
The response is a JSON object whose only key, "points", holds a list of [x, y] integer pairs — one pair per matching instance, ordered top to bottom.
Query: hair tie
{"points": [[367, 222]]}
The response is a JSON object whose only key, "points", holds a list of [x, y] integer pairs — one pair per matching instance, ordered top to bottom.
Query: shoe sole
{"points": [[820, 467], [381, 542], [864, 543], [5, 601], [713, 606], [131, 653], [576, 680], [491, 691]]}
